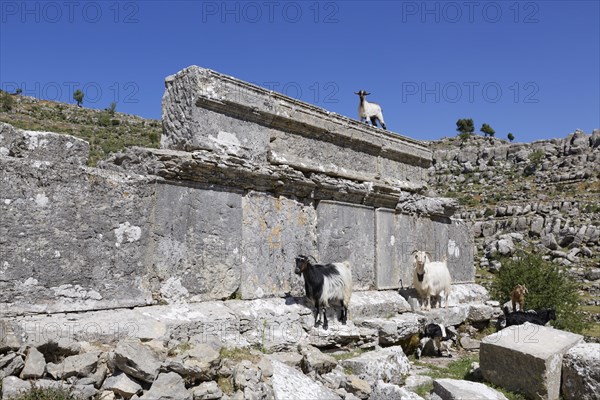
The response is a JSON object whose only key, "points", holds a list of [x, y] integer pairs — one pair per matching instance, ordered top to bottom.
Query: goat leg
{"points": [[317, 316], [325, 325]]}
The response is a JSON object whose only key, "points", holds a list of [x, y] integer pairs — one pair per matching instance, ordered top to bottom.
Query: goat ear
{"points": [[357, 93], [366, 94]]}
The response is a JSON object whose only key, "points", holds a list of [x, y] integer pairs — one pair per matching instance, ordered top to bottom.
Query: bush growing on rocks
{"points": [[548, 288]]}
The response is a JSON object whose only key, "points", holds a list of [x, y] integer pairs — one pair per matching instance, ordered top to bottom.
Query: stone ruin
{"points": [[245, 180], [174, 256]]}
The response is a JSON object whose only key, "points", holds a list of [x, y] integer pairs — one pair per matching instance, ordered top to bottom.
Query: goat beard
{"points": [[420, 276]]}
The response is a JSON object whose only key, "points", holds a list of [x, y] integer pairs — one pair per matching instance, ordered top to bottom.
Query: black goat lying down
{"points": [[538, 317], [441, 336]]}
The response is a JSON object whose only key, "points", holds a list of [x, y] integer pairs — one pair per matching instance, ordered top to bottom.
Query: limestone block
{"points": [[43, 146], [275, 230], [346, 233], [198, 247], [376, 304], [396, 329], [526, 358], [136, 360], [389, 364], [581, 372], [291, 384], [454, 389]]}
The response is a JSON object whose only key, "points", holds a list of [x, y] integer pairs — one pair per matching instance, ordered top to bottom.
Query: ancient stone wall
{"points": [[236, 193]]}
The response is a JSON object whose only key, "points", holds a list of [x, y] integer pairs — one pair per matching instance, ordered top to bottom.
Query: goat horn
{"points": [[414, 252], [314, 259]]}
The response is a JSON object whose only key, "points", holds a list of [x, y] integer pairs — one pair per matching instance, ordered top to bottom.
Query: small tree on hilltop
{"points": [[18, 91], [78, 97], [112, 108], [465, 125], [487, 130], [510, 137]]}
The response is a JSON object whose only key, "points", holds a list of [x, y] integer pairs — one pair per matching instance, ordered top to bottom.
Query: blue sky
{"points": [[527, 67]]}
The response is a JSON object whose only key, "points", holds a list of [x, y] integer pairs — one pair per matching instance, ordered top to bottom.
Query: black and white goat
{"points": [[369, 111], [325, 283], [538, 317], [441, 336]]}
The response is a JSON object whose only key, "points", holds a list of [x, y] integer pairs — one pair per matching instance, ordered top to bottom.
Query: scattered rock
{"points": [[137, 360], [314, 360], [389, 364], [35, 365], [291, 384], [122, 385], [13, 386], [167, 386], [358, 387], [454, 389], [207, 391], [388, 391]]}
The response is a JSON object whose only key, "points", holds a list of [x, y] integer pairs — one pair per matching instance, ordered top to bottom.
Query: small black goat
{"points": [[325, 283], [538, 317], [441, 336]]}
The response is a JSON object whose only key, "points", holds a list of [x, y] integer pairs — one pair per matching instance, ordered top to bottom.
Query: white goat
{"points": [[369, 111], [431, 278]]}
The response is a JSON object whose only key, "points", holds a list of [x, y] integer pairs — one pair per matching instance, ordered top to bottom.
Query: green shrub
{"points": [[6, 102], [104, 119], [547, 286]]}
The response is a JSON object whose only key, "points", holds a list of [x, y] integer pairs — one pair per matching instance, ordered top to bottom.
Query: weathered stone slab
{"points": [[43, 146], [274, 231], [346, 233], [71, 237], [198, 245], [460, 252], [387, 269], [376, 304], [447, 316], [273, 324], [396, 329], [339, 335], [526, 358], [136, 360], [35, 365], [390, 365], [581, 372], [291, 384], [122, 385], [168, 386], [13, 387], [455, 389], [388, 391]]}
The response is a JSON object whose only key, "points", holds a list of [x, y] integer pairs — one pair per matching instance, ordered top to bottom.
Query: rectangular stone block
{"points": [[203, 109], [274, 231], [346, 232], [197, 236], [71, 238], [387, 268], [526, 358]]}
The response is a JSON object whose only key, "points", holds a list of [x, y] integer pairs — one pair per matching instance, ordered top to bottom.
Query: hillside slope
{"points": [[542, 196]]}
